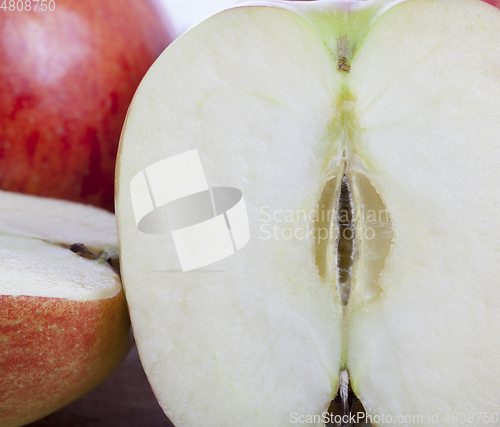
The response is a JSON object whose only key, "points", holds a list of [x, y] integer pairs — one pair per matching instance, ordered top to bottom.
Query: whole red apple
{"points": [[67, 76]]}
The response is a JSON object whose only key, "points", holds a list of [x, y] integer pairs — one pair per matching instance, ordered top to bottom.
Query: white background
{"points": [[186, 13]]}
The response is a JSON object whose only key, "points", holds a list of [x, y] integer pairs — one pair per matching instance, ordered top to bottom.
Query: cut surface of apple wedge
{"points": [[386, 110], [57, 222], [42, 238], [33, 267], [64, 324]]}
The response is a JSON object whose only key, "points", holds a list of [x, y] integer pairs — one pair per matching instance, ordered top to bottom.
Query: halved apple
{"points": [[377, 118], [64, 325]]}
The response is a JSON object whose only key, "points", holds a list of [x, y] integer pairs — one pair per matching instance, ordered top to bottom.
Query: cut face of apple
{"points": [[377, 119], [64, 325]]}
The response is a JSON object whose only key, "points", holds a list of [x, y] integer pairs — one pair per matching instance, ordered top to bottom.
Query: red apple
{"points": [[493, 2], [67, 77], [64, 324], [55, 350]]}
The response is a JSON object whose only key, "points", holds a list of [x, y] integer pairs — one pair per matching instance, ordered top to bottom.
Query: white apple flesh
{"points": [[284, 102], [64, 324]]}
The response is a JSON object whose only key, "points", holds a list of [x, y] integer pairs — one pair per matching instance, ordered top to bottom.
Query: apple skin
{"points": [[493, 2], [66, 80], [54, 350]]}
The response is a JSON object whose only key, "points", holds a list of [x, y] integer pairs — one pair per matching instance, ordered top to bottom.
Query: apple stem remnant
{"points": [[354, 19], [344, 54], [344, 392], [346, 406]]}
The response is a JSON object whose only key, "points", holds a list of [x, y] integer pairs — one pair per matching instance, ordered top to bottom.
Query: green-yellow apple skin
{"points": [[67, 77], [55, 350]]}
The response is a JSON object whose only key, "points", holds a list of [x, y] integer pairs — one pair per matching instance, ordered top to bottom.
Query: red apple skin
{"points": [[493, 2], [66, 79], [53, 351]]}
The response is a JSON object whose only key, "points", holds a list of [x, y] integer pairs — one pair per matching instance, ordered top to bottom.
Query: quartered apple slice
{"points": [[378, 119], [64, 325]]}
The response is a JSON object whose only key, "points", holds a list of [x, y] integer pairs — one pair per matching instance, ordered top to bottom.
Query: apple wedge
{"points": [[357, 146], [64, 325]]}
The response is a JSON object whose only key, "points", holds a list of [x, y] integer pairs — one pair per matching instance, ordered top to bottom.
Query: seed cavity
{"points": [[325, 228], [334, 235], [353, 237], [345, 241], [373, 241], [81, 249], [107, 257]]}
